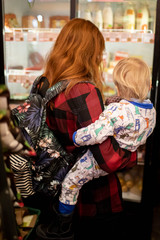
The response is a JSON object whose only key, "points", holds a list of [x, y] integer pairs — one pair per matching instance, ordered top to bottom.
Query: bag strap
{"points": [[37, 81], [55, 90], [52, 91]]}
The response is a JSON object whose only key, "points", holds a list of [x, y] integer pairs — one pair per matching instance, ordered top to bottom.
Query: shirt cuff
{"points": [[73, 138]]}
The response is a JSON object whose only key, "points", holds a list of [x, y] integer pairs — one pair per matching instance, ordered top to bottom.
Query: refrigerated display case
{"points": [[128, 28], [132, 28], [30, 29]]}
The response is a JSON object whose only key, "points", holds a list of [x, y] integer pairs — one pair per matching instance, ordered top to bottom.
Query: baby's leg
{"points": [[84, 170]]}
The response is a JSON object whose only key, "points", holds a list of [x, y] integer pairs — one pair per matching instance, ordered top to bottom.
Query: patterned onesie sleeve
{"points": [[99, 131]]}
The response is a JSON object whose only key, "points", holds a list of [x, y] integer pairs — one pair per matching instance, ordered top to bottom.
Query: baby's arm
{"points": [[97, 132]]}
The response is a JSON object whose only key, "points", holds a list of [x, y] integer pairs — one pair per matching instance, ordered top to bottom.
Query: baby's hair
{"points": [[132, 78]]}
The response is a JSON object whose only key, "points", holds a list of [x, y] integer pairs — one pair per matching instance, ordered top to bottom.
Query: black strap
{"points": [[42, 88]]}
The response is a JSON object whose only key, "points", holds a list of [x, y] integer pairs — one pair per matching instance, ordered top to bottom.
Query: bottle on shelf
{"points": [[87, 15], [107, 17], [118, 17], [129, 18], [142, 18], [98, 21]]}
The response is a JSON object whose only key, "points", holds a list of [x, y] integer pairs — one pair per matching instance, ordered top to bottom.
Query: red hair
{"points": [[76, 54]]}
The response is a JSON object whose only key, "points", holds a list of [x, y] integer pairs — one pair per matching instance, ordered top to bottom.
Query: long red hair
{"points": [[76, 54]]}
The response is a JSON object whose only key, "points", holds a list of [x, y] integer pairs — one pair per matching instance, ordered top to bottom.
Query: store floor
{"points": [[134, 227]]}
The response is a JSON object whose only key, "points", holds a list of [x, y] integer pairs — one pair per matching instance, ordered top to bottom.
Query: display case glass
{"points": [[32, 26], [128, 28], [30, 29]]}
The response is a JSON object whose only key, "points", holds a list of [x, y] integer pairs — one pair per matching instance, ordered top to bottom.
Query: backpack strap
{"points": [[37, 81], [55, 90], [52, 91]]}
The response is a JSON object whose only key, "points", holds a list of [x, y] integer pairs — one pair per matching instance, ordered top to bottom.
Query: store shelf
{"points": [[32, 34], [50, 34], [126, 35]]}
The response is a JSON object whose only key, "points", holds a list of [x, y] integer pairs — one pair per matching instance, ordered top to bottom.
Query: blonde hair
{"points": [[76, 54], [132, 78]]}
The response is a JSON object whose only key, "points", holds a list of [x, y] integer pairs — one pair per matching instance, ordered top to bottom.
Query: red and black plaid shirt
{"points": [[79, 108]]}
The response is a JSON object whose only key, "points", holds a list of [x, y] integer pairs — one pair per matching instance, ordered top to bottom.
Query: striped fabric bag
{"points": [[22, 174]]}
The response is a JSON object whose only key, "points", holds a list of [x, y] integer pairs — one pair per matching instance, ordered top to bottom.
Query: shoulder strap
{"points": [[37, 81], [55, 90], [52, 91]]}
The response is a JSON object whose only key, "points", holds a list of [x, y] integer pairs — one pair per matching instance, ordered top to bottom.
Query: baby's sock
{"points": [[66, 208]]}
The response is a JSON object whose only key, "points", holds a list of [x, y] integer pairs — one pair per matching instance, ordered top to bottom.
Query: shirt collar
{"points": [[145, 104]]}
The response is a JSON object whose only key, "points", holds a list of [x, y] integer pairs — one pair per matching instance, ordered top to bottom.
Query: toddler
{"points": [[130, 121]]}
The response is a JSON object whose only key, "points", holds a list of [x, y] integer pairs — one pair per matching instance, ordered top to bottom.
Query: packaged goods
{"points": [[107, 17], [118, 17], [129, 18], [142, 18], [98, 19], [11, 20], [40, 20], [58, 21], [29, 22], [120, 55], [36, 61]]}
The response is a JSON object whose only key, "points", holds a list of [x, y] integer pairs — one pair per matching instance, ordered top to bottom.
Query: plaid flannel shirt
{"points": [[79, 108]]}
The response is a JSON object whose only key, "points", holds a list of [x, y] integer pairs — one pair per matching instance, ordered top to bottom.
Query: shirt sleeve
{"points": [[100, 130], [108, 154]]}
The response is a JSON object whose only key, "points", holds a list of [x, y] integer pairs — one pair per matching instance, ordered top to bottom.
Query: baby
{"points": [[130, 121]]}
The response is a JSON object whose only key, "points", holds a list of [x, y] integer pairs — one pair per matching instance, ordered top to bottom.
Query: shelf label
{"points": [[9, 36], [18, 36], [32, 36], [47, 36], [106, 36], [114, 37], [125, 37], [136, 37], [148, 37], [14, 79], [25, 80]]}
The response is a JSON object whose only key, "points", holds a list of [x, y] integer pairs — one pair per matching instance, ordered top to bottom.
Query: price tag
{"points": [[55, 35], [9, 36], [19, 36], [32, 36], [47, 36], [51, 36], [106, 36], [114, 36], [41, 37], [125, 37], [136, 37], [148, 37], [15, 78]]}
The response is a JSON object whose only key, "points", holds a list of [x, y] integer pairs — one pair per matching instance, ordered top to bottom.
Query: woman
{"points": [[77, 56]]}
